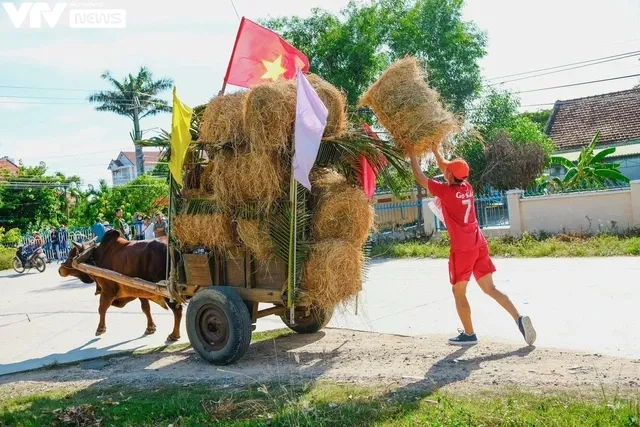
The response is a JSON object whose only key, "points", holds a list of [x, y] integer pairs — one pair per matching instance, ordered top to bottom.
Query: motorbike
{"points": [[29, 257]]}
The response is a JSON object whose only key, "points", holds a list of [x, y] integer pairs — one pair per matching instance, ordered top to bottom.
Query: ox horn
{"points": [[77, 245]]}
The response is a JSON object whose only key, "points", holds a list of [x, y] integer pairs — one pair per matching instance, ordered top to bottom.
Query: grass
{"points": [[527, 246], [6, 257], [316, 405]]}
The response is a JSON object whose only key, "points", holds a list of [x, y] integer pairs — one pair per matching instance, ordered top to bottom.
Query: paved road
{"points": [[580, 304]]}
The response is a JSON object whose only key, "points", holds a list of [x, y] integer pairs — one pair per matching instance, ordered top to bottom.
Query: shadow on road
{"points": [[68, 284], [82, 352], [452, 369]]}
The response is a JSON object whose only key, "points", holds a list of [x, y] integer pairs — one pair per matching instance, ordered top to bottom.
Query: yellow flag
{"points": [[180, 136]]}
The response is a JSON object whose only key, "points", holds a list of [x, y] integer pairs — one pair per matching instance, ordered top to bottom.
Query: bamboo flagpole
{"points": [[293, 208]]}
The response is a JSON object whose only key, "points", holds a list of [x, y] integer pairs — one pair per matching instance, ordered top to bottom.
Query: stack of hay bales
{"points": [[408, 108], [248, 139]]}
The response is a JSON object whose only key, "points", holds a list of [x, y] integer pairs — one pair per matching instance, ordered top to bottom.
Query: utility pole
{"points": [[137, 136]]}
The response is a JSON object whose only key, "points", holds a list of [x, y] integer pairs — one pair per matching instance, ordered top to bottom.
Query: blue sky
{"points": [[190, 41]]}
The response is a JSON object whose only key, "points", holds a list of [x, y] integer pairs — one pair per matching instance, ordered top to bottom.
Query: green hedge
{"points": [[6, 256]]}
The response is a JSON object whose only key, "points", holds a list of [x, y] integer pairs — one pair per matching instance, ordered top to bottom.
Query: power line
{"points": [[565, 65], [563, 70], [578, 84]]}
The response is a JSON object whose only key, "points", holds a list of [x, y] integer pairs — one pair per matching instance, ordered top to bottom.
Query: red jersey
{"points": [[459, 212]]}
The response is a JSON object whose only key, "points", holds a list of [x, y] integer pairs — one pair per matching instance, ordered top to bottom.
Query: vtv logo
{"points": [[36, 12]]}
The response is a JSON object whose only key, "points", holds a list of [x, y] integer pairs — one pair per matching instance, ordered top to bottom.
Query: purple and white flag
{"points": [[311, 119]]}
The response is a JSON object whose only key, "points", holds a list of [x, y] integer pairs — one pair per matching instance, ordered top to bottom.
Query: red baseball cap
{"points": [[458, 168]]}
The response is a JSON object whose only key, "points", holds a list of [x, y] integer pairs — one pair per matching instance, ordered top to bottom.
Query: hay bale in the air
{"points": [[336, 103], [408, 108], [269, 115], [223, 120], [248, 177], [342, 212], [214, 231], [255, 236], [332, 273]]}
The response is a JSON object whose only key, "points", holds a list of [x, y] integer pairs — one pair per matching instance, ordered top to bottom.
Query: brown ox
{"points": [[144, 259]]}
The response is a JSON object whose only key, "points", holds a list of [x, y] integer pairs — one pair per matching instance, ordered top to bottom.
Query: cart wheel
{"points": [[310, 323], [218, 325]]}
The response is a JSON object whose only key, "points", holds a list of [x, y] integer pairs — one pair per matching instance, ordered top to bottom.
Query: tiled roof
{"points": [[574, 122], [6, 164]]}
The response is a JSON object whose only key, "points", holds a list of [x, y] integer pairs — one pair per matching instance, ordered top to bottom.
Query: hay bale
{"points": [[336, 103], [408, 108], [269, 115], [223, 120], [248, 177], [321, 178], [342, 212], [213, 231], [255, 236], [332, 273]]}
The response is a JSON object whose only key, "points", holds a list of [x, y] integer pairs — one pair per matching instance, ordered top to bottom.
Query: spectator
{"points": [[121, 225], [137, 226], [160, 226], [148, 229], [98, 230], [63, 233], [37, 239], [55, 243]]}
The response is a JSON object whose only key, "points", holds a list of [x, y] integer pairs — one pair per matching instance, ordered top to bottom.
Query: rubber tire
{"points": [[15, 262], [39, 263], [318, 318], [238, 320]]}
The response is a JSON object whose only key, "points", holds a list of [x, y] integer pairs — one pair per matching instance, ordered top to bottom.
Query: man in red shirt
{"points": [[469, 250]]}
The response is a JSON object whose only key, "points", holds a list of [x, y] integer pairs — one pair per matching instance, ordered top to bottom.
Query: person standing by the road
{"points": [[121, 225], [137, 226], [160, 226], [147, 229], [98, 230], [55, 243], [469, 249]]}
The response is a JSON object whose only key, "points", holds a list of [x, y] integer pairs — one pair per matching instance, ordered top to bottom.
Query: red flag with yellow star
{"points": [[260, 55]]}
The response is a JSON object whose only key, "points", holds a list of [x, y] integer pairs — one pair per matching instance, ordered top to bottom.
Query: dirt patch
{"points": [[350, 357]]}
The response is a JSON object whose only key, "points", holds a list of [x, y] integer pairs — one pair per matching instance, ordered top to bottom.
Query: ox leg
{"points": [[105, 303], [146, 309], [177, 318]]}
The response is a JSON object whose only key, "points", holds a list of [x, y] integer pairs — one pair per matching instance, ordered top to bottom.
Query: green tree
{"points": [[433, 30], [351, 49], [134, 97], [540, 117], [589, 171], [138, 195], [33, 199]]}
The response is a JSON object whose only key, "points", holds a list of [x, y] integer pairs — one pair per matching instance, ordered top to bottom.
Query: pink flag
{"points": [[311, 119]]}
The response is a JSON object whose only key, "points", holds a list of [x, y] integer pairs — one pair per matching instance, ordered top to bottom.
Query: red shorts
{"points": [[463, 264]]}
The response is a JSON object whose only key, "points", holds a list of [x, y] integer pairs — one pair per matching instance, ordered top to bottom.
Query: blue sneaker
{"points": [[526, 329], [464, 339]]}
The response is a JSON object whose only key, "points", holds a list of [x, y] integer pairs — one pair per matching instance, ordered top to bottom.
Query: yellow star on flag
{"points": [[274, 69]]}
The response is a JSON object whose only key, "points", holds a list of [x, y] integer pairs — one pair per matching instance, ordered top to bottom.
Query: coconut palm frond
{"points": [[344, 154], [279, 229]]}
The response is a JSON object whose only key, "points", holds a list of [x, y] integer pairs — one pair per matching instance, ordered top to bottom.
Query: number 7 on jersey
{"points": [[467, 203]]}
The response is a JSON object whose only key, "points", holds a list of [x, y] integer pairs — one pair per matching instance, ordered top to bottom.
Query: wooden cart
{"points": [[223, 294]]}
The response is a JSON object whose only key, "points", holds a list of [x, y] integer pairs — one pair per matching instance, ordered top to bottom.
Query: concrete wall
{"points": [[589, 211]]}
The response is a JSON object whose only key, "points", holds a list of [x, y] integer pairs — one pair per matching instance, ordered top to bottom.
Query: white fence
{"points": [[611, 210]]}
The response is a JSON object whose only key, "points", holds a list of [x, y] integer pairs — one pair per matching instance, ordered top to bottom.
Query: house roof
{"points": [[574, 122], [150, 158], [8, 165]]}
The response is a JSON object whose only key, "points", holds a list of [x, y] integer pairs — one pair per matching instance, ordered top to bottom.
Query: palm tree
{"points": [[134, 97], [589, 171]]}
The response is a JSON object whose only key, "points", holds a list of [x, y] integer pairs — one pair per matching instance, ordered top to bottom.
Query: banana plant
{"points": [[589, 171]]}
